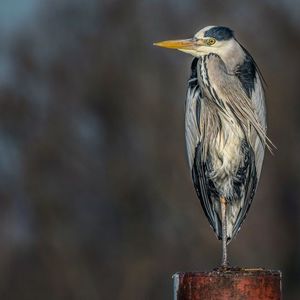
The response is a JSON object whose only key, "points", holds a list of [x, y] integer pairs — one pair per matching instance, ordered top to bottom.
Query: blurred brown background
{"points": [[96, 196]]}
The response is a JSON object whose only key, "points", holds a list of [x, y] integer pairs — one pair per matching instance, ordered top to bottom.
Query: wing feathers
{"points": [[206, 101]]}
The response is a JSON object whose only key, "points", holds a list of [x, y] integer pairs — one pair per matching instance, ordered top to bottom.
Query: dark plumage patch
{"points": [[220, 33], [246, 73], [193, 81], [200, 176], [241, 176], [246, 181], [205, 189]]}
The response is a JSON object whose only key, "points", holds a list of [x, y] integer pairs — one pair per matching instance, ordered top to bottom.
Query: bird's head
{"points": [[211, 39]]}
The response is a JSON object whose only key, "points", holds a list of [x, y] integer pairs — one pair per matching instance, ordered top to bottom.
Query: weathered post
{"points": [[230, 284]]}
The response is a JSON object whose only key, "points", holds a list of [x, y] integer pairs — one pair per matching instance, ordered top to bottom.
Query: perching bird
{"points": [[225, 127]]}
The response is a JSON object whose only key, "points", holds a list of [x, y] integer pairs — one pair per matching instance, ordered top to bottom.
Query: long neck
{"points": [[231, 54]]}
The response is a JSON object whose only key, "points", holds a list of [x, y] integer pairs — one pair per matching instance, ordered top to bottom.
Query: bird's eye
{"points": [[210, 41]]}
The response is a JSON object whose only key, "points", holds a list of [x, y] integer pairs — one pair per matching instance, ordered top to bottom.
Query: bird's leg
{"points": [[224, 232]]}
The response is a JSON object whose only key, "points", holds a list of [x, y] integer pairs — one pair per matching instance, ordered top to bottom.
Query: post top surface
{"points": [[230, 272]]}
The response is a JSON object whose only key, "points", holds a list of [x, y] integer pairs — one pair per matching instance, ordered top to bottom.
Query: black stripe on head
{"points": [[220, 33]]}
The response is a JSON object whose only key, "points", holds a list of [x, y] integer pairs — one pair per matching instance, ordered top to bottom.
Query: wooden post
{"points": [[246, 284]]}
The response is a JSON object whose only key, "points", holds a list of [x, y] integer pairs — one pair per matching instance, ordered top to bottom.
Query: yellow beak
{"points": [[188, 44]]}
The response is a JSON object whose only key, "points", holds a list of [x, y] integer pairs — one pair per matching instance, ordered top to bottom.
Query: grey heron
{"points": [[225, 127]]}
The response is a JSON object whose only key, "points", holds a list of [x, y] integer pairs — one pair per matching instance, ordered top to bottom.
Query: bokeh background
{"points": [[96, 196]]}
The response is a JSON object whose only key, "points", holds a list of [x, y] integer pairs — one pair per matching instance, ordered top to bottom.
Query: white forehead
{"points": [[200, 33]]}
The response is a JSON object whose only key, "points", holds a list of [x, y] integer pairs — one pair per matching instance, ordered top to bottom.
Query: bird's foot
{"points": [[223, 268]]}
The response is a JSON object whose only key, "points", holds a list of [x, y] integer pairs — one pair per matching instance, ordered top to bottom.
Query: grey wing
{"points": [[251, 81], [243, 95], [258, 100], [192, 114], [256, 154], [197, 166]]}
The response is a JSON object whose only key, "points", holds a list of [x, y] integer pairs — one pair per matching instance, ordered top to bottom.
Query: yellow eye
{"points": [[210, 41]]}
